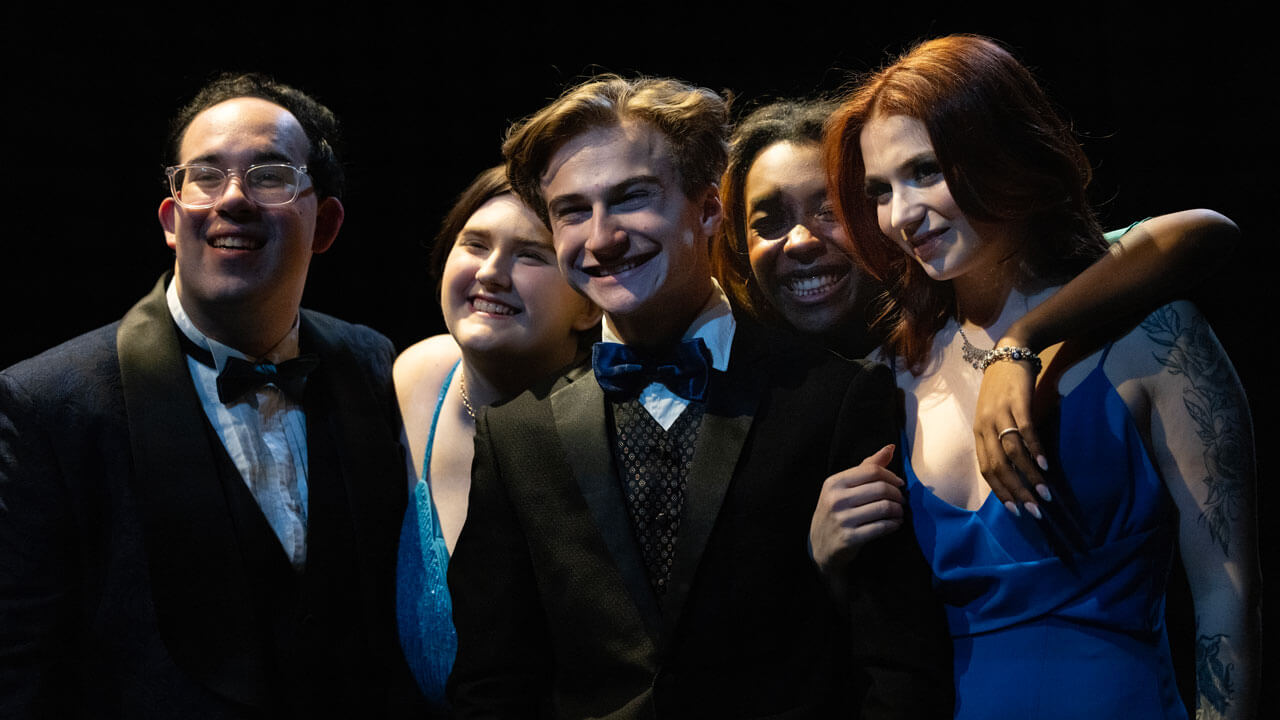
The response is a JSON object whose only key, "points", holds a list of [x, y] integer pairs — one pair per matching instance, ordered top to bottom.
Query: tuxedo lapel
{"points": [[733, 396], [731, 405], [579, 409], [199, 584]]}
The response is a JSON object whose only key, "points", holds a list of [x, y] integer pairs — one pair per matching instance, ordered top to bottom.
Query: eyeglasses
{"points": [[201, 186]]}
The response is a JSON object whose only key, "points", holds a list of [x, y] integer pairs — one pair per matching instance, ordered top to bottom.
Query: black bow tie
{"points": [[624, 372], [240, 376]]}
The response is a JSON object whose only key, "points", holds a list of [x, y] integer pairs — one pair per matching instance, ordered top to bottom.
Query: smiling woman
{"points": [[965, 194], [915, 209], [796, 244], [780, 253], [513, 321]]}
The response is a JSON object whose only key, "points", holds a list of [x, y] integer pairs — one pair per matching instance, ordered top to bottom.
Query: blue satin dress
{"points": [[424, 609], [1063, 619]]}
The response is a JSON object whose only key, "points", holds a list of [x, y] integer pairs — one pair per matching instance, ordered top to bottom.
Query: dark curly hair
{"points": [[317, 121], [799, 122]]}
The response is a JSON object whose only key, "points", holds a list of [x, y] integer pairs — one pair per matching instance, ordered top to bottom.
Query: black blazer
{"points": [[138, 577], [555, 614]]}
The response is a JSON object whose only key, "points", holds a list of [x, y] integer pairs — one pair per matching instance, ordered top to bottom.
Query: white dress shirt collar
{"points": [[715, 325], [286, 349], [264, 433]]}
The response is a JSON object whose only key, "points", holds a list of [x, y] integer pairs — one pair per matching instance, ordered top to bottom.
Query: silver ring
{"points": [[1006, 431]]}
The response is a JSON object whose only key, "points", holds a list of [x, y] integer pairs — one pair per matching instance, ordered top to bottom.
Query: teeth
{"points": [[922, 239], [234, 242], [602, 271], [813, 284], [493, 308]]}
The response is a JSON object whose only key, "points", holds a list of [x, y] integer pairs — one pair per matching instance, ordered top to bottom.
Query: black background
{"points": [[1173, 109]]}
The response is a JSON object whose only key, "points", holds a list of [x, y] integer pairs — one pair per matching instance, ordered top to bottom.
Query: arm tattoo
{"points": [[1213, 408], [1213, 678]]}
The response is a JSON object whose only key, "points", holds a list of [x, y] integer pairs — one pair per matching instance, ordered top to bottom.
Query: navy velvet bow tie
{"points": [[624, 372], [240, 376]]}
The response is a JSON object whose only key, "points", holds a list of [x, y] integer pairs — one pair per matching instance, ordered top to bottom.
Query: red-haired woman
{"points": [[964, 193], [782, 256]]}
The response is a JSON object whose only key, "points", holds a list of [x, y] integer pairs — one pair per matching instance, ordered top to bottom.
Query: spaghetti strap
{"points": [[1105, 352], [435, 418], [1071, 606], [424, 609]]}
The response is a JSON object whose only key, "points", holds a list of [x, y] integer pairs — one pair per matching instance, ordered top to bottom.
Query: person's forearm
{"points": [[1153, 264], [1227, 653]]}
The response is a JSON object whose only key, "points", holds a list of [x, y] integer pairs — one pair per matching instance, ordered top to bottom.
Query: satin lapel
{"points": [[732, 400], [579, 409], [198, 581]]}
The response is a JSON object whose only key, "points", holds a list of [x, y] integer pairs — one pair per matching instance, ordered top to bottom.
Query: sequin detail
{"points": [[424, 608]]}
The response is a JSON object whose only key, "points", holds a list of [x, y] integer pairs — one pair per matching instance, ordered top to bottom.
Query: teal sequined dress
{"points": [[424, 610]]}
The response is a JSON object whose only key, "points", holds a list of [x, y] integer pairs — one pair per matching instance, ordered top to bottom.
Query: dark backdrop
{"points": [[1170, 109]]}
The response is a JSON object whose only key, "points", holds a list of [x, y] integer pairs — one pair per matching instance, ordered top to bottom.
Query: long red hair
{"points": [[1006, 155]]}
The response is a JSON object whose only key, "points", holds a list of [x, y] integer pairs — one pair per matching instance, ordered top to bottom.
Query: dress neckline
{"points": [[912, 477]]}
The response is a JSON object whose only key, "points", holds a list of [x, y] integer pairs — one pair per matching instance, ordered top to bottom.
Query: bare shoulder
{"points": [[1170, 343], [434, 356], [1171, 365], [420, 370]]}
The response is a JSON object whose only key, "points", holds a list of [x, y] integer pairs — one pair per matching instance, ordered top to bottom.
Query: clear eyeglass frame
{"points": [[247, 184]]}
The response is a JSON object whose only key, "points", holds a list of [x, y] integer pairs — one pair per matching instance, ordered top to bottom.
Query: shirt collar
{"points": [[714, 324], [286, 349]]}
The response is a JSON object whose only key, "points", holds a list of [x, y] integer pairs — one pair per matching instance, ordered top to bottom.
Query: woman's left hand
{"points": [[1009, 452]]}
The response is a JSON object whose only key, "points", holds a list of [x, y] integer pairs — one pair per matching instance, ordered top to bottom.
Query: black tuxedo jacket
{"points": [[138, 578], [554, 611]]}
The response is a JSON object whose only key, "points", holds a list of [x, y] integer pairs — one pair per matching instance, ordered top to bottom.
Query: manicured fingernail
{"points": [[1043, 462], [1043, 491], [1011, 507], [1032, 508]]}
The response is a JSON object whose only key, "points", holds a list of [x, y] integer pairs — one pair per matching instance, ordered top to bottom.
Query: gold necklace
{"points": [[466, 398]]}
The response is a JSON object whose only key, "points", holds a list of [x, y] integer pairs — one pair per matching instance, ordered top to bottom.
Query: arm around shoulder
{"points": [[1154, 262], [1151, 264]]}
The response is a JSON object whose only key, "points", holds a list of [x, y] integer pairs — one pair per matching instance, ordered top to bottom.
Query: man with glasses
{"points": [[200, 504]]}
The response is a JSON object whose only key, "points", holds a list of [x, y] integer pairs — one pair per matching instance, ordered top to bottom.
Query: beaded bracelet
{"points": [[1011, 353]]}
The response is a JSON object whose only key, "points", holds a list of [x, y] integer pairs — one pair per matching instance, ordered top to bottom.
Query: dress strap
{"points": [[1106, 350], [435, 418], [424, 610]]}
